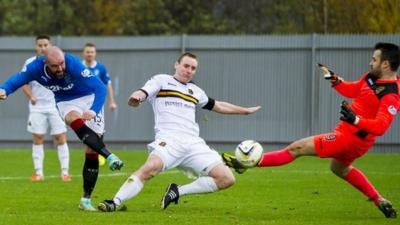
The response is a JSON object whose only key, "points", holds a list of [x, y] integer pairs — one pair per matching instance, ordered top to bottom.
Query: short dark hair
{"points": [[43, 36], [89, 44], [391, 53], [188, 54]]}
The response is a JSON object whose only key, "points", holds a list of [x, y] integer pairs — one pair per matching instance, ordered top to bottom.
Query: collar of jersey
{"points": [[94, 65], [45, 72], [179, 81]]}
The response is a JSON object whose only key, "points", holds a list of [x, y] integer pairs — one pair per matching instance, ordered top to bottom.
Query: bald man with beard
{"points": [[79, 97]]}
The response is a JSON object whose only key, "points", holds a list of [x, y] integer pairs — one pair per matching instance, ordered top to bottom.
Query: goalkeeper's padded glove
{"points": [[330, 75], [348, 114]]}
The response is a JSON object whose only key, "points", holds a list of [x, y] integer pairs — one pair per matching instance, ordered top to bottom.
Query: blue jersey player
{"points": [[100, 70], [79, 97]]}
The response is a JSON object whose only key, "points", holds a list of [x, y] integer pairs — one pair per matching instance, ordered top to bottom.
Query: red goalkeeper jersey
{"points": [[375, 102]]}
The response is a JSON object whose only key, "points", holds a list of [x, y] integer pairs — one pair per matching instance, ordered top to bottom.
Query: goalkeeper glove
{"points": [[330, 75], [348, 114]]}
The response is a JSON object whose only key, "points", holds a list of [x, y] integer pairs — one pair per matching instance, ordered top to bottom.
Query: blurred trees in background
{"points": [[169, 17]]}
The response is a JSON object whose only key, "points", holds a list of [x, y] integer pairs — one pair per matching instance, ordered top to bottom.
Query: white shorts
{"points": [[82, 105], [38, 122], [190, 154]]}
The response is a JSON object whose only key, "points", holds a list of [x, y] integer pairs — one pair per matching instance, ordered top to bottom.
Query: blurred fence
{"points": [[277, 72]]}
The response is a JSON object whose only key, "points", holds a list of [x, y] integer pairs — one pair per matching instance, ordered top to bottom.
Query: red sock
{"points": [[76, 124], [92, 156], [276, 158], [356, 178]]}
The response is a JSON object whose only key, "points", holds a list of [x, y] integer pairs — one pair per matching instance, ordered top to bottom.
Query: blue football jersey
{"points": [[99, 70], [77, 82]]}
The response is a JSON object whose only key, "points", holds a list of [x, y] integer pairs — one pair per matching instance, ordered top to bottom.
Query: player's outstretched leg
{"points": [[93, 141], [232, 162], [358, 180], [132, 186], [171, 195], [387, 208]]}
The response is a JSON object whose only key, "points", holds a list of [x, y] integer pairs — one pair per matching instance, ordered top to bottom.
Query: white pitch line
{"points": [[119, 174], [75, 175], [59, 177]]}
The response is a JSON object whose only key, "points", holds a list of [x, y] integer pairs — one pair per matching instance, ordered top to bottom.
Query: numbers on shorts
{"points": [[98, 119]]}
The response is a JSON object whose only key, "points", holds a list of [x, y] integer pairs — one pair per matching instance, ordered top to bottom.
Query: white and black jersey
{"points": [[174, 105]]}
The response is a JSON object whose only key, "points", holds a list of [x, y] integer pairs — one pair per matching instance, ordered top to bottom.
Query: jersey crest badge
{"points": [[86, 73], [379, 89], [190, 91], [392, 110]]}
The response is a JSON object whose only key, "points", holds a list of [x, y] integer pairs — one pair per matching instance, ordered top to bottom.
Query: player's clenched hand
{"points": [[330, 75], [3, 95], [136, 98], [134, 101], [112, 106], [251, 110], [348, 114], [88, 115]]}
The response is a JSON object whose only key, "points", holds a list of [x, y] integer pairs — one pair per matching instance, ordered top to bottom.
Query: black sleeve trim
{"points": [[381, 90], [145, 92], [210, 104]]}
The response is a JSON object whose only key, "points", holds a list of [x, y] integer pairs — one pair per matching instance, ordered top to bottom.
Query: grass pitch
{"points": [[304, 192]]}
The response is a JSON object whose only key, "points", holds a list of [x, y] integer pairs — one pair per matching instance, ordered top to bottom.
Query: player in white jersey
{"points": [[42, 115], [177, 142]]}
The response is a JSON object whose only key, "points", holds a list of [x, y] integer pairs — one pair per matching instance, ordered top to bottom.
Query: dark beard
{"points": [[376, 73], [54, 75]]}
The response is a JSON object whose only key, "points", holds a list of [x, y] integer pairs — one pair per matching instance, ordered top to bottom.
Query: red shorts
{"points": [[344, 147]]}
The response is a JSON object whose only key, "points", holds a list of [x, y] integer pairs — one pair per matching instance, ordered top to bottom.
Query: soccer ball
{"points": [[249, 153]]}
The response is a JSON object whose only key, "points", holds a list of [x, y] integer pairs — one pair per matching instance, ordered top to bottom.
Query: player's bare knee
{"points": [[72, 116], [38, 139], [60, 139], [296, 147], [302, 147], [339, 169], [335, 170], [339, 173], [223, 177], [230, 180], [224, 181]]}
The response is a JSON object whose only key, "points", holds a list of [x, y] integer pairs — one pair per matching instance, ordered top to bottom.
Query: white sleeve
{"points": [[31, 59], [152, 86], [203, 98]]}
